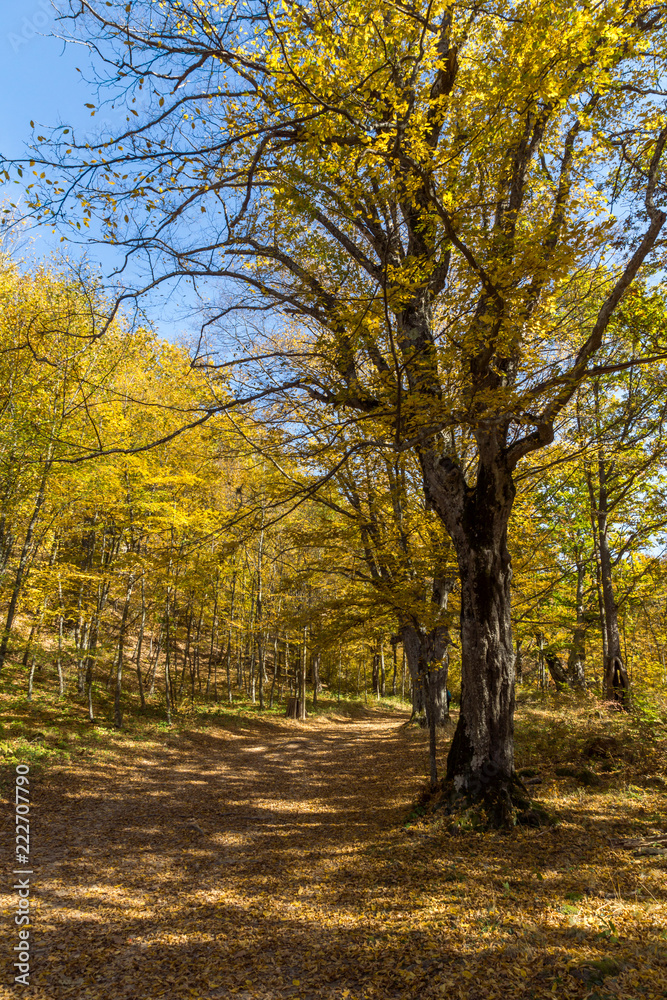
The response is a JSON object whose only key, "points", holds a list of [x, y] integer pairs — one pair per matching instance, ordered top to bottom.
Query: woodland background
{"points": [[409, 473], [200, 569]]}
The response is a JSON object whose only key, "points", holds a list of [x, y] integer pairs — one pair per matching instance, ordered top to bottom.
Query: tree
{"points": [[426, 189], [623, 416]]}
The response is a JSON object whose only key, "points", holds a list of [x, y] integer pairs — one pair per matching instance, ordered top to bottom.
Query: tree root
{"points": [[501, 805]]}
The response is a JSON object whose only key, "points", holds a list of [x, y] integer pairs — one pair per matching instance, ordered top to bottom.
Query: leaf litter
{"points": [[286, 860]]}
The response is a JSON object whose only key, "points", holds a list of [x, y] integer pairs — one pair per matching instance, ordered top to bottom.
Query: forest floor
{"points": [[235, 856]]}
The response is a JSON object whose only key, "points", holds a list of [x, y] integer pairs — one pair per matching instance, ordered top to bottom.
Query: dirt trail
{"points": [[269, 860], [225, 861]]}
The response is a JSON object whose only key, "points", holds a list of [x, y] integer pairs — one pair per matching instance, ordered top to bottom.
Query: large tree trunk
{"points": [[481, 758]]}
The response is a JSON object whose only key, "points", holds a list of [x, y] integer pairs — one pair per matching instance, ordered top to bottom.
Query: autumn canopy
{"points": [[438, 223]]}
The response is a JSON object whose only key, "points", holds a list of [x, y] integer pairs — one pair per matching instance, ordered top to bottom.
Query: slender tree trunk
{"points": [[24, 560], [598, 569], [258, 618], [84, 640], [229, 641], [140, 642], [28, 648], [186, 651], [211, 652], [577, 656], [59, 657], [316, 660], [518, 662], [90, 663], [167, 664], [541, 664], [340, 665], [260, 666], [153, 668], [276, 669], [403, 673], [375, 674], [31, 676], [196, 676], [288, 676], [383, 677], [302, 678], [616, 681], [117, 706]]}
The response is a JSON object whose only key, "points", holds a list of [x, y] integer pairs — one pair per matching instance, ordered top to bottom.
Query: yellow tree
{"points": [[425, 185]]}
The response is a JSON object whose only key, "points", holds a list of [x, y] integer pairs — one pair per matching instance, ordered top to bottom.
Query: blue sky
{"points": [[38, 75]]}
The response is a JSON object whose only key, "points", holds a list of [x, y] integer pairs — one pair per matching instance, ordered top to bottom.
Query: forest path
{"points": [[270, 860], [207, 865]]}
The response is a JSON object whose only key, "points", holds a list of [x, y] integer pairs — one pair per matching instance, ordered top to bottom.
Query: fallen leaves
{"points": [[271, 864]]}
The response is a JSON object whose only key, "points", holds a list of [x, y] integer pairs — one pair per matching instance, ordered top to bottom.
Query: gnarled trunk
{"points": [[481, 758]]}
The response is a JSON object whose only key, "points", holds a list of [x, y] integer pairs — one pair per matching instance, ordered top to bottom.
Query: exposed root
{"points": [[501, 804]]}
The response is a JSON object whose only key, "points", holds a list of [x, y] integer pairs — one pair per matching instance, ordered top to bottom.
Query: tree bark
{"points": [[24, 559], [140, 642], [420, 649], [576, 661], [276, 668], [375, 674], [558, 674], [383, 676], [302, 679], [616, 681], [317, 687], [117, 706], [481, 758], [480, 764]]}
